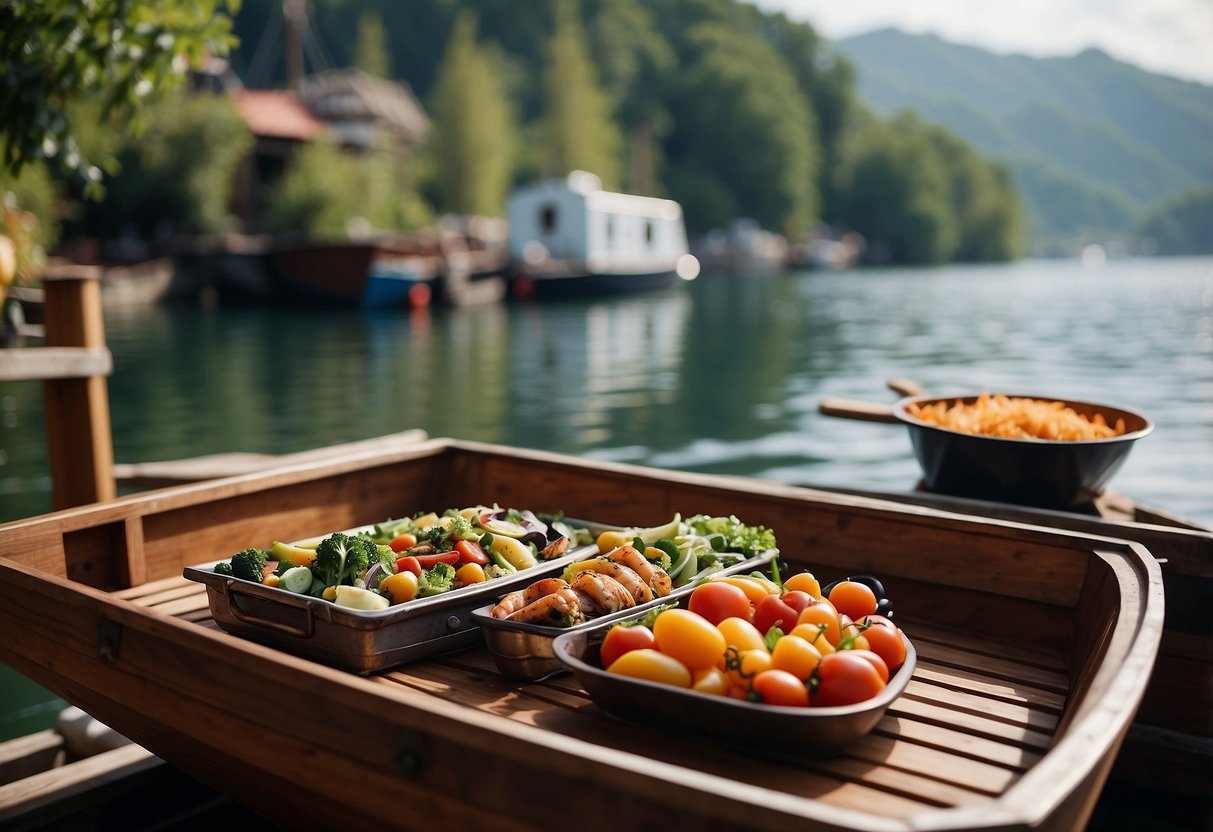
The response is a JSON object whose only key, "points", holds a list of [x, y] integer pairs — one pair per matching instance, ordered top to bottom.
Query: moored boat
{"points": [[569, 236], [1034, 649]]}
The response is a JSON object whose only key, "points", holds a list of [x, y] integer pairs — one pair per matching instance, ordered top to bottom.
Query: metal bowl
{"points": [[1046, 473], [524, 651], [769, 731]]}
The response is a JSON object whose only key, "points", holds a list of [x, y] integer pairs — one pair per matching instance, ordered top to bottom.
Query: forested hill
{"points": [[1092, 142]]}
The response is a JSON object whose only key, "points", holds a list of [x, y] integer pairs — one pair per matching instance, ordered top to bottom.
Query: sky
{"points": [[1172, 37]]}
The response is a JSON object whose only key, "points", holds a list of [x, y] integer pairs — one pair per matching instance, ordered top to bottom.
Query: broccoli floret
{"points": [[461, 528], [341, 558], [249, 564], [223, 567], [437, 579]]}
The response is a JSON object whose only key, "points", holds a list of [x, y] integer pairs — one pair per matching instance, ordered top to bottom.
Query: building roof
{"points": [[353, 95], [277, 114]]}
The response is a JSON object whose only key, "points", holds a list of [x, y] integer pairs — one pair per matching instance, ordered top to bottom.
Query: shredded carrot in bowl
{"points": [[1016, 418]]}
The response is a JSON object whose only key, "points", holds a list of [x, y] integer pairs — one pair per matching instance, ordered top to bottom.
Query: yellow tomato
{"points": [[610, 540], [469, 573], [805, 582], [400, 587], [754, 589], [822, 613], [741, 634], [814, 635], [689, 638], [796, 656], [653, 666], [742, 666], [710, 680]]}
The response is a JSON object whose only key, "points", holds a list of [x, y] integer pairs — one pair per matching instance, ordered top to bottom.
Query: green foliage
{"points": [[117, 53], [372, 53], [741, 117], [580, 132], [473, 136], [177, 175], [327, 192], [28, 214], [1182, 224]]}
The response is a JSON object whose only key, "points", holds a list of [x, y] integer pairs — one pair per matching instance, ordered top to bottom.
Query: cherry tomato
{"points": [[403, 541], [471, 552], [426, 561], [409, 563], [470, 573], [804, 582], [400, 587], [754, 590], [798, 599], [854, 599], [717, 601], [773, 612], [822, 613], [740, 633], [815, 635], [850, 635], [690, 638], [620, 640], [885, 640], [796, 656], [874, 660], [654, 666], [741, 666], [845, 679], [710, 680], [778, 687]]}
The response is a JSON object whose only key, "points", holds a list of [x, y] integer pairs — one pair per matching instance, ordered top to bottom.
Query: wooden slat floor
{"points": [[975, 716]]}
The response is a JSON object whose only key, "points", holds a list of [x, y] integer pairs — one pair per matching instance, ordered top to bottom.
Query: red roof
{"points": [[277, 114]]}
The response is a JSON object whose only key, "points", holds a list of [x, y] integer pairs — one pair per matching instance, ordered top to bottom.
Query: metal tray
{"points": [[364, 641], [524, 651], [773, 732]]}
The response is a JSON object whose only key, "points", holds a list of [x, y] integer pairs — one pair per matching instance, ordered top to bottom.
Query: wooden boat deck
{"points": [[976, 715]]}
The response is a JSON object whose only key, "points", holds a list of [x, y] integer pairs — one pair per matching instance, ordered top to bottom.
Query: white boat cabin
{"points": [[573, 221]]}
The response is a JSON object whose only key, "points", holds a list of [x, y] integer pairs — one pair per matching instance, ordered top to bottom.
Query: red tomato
{"points": [[403, 541], [470, 552], [410, 564], [798, 599], [854, 599], [717, 601], [773, 612], [620, 640], [885, 640], [874, 660], [845, 679], [778, 687]]}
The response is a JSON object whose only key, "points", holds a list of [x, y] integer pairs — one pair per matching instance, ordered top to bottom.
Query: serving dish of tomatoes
{"points": [[763, 662]]}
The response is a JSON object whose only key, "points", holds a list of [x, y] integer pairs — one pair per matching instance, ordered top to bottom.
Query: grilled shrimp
{"points": [[652, 574], [632, 582], [607, 594], [515, 601], [557, 609]]}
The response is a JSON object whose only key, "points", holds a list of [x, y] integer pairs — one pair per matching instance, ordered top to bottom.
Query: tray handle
{"points": [[230, 595]]}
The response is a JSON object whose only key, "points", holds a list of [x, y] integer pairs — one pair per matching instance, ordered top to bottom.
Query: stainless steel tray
{"points": [[364, 641], [524, 651], [774, 732]]}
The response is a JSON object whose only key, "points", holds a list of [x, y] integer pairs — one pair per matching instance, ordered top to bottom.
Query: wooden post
{"points": [[80, 446]]}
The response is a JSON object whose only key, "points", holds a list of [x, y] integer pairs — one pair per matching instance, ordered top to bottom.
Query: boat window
{"points": [[547, 218], [648, 232]]}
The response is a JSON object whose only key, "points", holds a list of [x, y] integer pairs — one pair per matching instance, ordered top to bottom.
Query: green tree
{"points": [[51, 52], [372, 53], [742, 122], [580, 131], [474, 134], [177, 176], [327, 192], [898, 195], [1182, 224]]}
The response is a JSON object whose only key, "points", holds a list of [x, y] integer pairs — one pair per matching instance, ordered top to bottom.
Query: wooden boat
{"points": [[1034, 650]]}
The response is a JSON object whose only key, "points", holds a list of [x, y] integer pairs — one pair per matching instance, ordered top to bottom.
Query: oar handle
{"points": [[905, 386], [855, 409]]}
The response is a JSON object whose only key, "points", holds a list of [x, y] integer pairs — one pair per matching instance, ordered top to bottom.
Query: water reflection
{"points": [[723, 374]]}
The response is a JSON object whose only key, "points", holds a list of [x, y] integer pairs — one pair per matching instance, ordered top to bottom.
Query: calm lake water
{"points": [[721, 375]]}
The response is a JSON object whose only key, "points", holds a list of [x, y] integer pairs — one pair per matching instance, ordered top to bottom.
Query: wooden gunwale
{"points": [[183, 689]]}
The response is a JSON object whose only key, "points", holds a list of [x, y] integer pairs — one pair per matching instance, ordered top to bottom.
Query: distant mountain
{"points": [[1092, 142]]}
